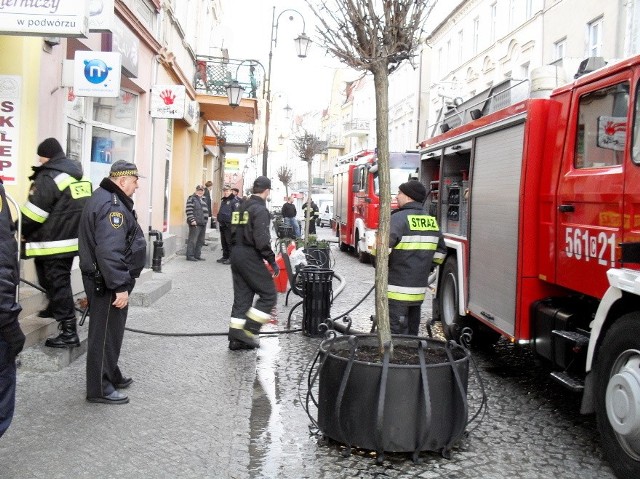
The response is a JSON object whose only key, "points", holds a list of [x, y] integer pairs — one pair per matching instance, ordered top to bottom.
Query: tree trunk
{"points": [[381, 84]]}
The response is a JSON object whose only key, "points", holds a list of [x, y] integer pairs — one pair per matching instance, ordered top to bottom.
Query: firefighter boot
{"points": [[398, 324], [243, 333], [68, 337]]}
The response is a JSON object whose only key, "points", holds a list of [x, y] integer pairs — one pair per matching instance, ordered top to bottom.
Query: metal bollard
{"points": [[158, 251]]}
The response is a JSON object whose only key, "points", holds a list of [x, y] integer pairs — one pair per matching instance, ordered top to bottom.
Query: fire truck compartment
{"points": [[493, 253]]}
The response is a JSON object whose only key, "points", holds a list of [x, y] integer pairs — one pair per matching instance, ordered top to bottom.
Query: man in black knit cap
{"points": [[50, 220], [416, 244]]}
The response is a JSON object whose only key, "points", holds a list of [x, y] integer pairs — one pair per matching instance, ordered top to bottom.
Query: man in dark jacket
{"points": [[228, 205], [289, 213], [197, 218], [50, 219], [416, 245], [113, 253], [250, 274], [11, 336]]}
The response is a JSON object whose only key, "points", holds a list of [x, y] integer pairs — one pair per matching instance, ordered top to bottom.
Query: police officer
{"points": [[228, 205], [50, 219], [416, 244], [112, 256], [250, 274], [11, 336]]}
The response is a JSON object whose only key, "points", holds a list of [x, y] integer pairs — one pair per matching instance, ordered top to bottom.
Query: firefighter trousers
{"points": [[54, 275], [250, 277], [404, 317], [106, 331], [7, 386]]}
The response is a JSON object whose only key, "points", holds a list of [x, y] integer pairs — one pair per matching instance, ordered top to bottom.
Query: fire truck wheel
{"points": [[448, 298], [462, 329], [617, 377]]}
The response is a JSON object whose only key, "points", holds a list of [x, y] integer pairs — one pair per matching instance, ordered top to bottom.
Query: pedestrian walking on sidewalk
{"points": [[228, 205], [289, 214], [50, 219], [197, 219], [416, 245], [113, 253], [250, 274], [11, 336]]}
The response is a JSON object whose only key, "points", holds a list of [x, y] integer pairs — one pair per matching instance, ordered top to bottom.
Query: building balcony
{"points": [[212, 76], [356, 128], [237, 136], [335, 142]]}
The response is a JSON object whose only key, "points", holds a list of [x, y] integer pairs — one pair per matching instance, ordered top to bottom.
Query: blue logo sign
{"points": [[96, 71]]}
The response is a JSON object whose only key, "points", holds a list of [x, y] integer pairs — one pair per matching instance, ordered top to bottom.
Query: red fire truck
{"points": [[539, 203], [356, 204]]}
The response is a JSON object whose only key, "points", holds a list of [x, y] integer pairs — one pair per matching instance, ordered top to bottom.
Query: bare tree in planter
{"points": [[375, 36], [307, 145], [285, 175]]}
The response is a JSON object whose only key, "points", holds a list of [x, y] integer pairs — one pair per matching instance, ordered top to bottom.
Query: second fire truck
{"points": [[356, 202], [539, 203]]}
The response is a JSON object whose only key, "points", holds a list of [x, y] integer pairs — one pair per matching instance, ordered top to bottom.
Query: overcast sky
{"points": [[305, 83]]}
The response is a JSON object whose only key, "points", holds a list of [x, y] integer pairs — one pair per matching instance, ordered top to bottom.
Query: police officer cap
{"points": [[49, 148], [124, 168], [262, 183], [226, 187], [199, 188], [414, 190]]}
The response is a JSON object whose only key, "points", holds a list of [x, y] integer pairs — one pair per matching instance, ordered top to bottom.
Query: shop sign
{"points": [[101, 15], [44, 18], [96, 74], [10, 87], [168, 101], [231, 164]]}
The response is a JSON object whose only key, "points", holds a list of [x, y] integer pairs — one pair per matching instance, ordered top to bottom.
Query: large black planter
{"points": [[392, 407]]}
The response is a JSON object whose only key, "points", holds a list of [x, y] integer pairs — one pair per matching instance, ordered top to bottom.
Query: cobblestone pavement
{"points": [[198, 410]]}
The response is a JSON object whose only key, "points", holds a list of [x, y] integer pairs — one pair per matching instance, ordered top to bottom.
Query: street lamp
{"points": [[302, 44], [235, 90]]}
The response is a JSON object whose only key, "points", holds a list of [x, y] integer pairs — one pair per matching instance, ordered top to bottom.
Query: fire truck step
{"points": [[574, 337], [574, 383]]}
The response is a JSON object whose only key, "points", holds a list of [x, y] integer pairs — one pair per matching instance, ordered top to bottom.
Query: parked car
{"points": [[326, 213]]}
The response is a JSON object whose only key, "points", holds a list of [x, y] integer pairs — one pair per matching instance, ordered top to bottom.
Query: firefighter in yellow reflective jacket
{"points": [[50, 219], [416, 245]]}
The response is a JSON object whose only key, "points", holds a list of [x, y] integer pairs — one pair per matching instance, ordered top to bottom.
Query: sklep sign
{"points": [[59, 18], [96, 74], [10, 87]]}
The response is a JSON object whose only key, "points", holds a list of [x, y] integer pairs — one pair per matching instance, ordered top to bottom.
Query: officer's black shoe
{"points": [[190, 258], [200, 259], [221, 260], [226, 261], [45, 313], [68, 338], [235, 345], [124, 384], [116, 397]]}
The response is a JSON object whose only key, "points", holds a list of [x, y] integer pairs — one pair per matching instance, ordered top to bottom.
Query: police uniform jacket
{"points": [[227, 206], [51, 215], [251, 223], [111, 239], [416, 243], [9, 309]]}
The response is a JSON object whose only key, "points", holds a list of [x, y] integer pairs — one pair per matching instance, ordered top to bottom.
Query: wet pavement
{"points": [[198, 410]]}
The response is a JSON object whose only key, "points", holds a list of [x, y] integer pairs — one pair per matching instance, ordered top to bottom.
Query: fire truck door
{"points": [[589, 208]]}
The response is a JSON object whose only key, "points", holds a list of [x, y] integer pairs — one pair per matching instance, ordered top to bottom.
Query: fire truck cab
{"points": [[356, 202], [539, 203]]}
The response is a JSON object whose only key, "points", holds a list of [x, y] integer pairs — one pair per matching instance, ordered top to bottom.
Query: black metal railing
{"points": [[213, 74]]}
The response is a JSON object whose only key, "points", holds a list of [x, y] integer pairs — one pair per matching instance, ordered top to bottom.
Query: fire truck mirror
{"points": [[373, 168]]}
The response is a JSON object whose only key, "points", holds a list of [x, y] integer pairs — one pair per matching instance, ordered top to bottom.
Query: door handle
{"points": [[566, 208]]}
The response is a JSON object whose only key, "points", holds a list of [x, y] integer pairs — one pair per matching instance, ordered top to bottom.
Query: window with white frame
{"points": [[528, 9], [512, 14], [493, 16], [476, 34], [594, 38], [460, 45], [560, 49], [447, 57], [440, 65]]}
